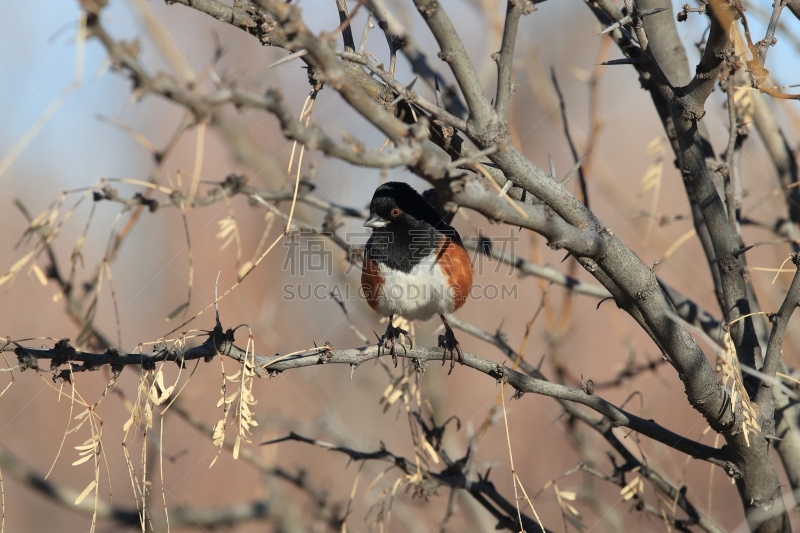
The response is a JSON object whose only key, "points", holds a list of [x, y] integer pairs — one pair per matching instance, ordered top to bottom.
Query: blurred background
{"points": [[83, 123]]}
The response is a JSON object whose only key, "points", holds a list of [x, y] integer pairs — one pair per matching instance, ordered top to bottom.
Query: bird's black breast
{"points": [[403, 249]]}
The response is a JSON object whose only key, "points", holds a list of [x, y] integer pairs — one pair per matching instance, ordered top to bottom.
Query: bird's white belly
{"points": [[419, 295]]}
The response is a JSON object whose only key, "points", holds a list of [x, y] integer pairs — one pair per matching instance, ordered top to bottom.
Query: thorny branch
{"points": [[681, 110], [545, 205], [221, 343], [604, 426], [452, 475]]}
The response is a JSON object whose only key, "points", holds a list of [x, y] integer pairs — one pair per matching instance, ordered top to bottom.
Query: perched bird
{"points": [[415, 264]]}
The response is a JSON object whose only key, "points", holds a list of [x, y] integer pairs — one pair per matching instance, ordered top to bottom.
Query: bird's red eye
{"points": [[395, 212]]}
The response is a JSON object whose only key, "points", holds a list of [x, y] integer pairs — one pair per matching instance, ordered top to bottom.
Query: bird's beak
{"points": [[374, 221]]}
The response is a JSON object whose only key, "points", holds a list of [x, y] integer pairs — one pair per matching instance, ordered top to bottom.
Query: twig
{"points": [[367, 26], [344, 27], [394, 41], [289, 58], [505, 58], [405, 93], [578, 161], [220, 342], [774, 354], [604, 427]]}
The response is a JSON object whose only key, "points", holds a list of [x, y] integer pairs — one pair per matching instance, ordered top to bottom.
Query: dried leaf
{"points": [[655, 146], [652, 177], [226, 226], [16, 267], [245, 268], [39, 274], [387, 392], [395, 395], [148, 415], [236, 446], [430, 450], [83, 459], [630, 490], [85, 492], [571, 509]]}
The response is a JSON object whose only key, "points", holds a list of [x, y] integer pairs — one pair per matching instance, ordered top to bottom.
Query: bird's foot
{"points": [[390, 340], [451, 347]]}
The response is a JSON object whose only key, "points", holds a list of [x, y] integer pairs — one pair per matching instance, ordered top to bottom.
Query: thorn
{"points": [[648, 12], [627, 19], [621, 22], [290, 57], [622, 61], [410, 85], [438, 92], [398, 100], [552, 167], [574, 169], [506, 186], [740, 251], [566, 256], [601, 302], [498, 334], [352, 369], [587, 387]]}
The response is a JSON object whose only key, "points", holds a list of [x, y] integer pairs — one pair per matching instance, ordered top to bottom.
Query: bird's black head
{"points": [[396, 204], [406, 228]]}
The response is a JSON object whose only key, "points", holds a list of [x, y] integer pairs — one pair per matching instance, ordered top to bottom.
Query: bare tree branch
{"points": [[794, 7], [768, 41], [453, 53], [505, 58], [419, 61], [477, 140], [220, 342], [774, 356], [604, 426], [453, 476]]}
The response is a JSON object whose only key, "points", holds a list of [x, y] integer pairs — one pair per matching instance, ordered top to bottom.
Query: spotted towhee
{"points": [[415, 264]]}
